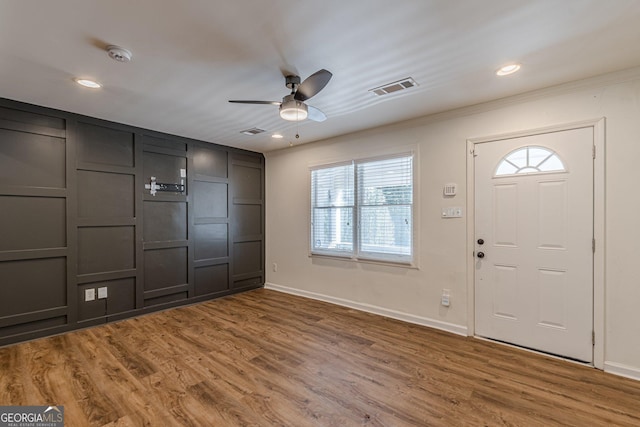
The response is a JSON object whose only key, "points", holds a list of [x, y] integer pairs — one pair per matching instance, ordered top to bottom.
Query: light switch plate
{"points": [[453, 212], [102, 292], [89, 294], [445, 299]]}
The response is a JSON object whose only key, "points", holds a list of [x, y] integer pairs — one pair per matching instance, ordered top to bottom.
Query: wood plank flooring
{"points": [[264, 358]]}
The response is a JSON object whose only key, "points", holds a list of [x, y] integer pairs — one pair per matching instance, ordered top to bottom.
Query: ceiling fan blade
{"points": [[313, 84], [255, 102], [315, 114]]}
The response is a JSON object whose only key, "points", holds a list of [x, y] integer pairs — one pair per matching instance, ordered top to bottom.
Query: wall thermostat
{"points": [[450, 189]]}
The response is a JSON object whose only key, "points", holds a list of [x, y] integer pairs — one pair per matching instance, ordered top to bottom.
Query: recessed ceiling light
{"points": [[508, 69], [88, 83], [277, 136]]}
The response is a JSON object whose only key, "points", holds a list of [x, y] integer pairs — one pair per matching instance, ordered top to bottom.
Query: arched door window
{"points": [[530, 160]]}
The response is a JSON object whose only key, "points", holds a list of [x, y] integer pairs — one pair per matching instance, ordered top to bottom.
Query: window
{"points": [[527, 160], [333, 203], [364, 209]]}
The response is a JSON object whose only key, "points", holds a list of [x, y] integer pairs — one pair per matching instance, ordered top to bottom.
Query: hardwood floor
{"points": [[265, 358]]}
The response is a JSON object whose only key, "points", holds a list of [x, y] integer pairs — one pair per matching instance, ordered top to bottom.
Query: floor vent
{"points": [[394, 87], [252, 131]]}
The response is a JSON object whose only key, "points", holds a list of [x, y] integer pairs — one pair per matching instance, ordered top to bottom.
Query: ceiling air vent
{"points": [[394, 87], [252, 131]]}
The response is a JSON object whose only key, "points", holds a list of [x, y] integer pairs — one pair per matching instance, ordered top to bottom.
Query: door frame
{"points": [[598, 126]]}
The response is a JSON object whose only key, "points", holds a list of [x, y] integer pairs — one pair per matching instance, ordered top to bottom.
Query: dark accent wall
{"points": [[75, 216]]}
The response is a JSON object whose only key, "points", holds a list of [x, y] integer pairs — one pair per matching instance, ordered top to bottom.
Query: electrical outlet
{"points": [[275, 267], [102, 292], [89, 294], [445, 300]]}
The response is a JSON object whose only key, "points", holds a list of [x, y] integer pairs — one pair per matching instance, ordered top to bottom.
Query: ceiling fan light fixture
{"points": [[293, 110]]}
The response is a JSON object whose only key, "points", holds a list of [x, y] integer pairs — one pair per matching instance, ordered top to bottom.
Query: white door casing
{"points": [[534, 286]]}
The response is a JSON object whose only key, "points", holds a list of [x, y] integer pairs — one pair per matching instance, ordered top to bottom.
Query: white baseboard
{"points": [[398, 315], [622, 370]]}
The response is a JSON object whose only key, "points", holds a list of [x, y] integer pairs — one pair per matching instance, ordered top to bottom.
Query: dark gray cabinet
{"points": [[83, 242]]}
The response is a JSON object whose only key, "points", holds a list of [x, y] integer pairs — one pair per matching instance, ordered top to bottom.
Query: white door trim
{"points": [[598, 126]]}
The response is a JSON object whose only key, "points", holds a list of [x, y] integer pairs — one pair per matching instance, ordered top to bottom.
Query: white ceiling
{"points": [[191, 56]]}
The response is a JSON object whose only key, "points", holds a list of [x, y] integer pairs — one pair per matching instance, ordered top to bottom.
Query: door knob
{"points": [[481, 241], [480, 255]]}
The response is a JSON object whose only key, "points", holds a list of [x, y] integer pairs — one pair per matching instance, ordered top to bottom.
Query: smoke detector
{"points": [[118, 53]]}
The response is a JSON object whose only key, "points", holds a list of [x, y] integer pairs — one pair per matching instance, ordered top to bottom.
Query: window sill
{"points": [[405, 265]]}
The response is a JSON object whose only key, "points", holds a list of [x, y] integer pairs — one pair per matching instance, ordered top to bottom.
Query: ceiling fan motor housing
{"points": [[292, 81]]}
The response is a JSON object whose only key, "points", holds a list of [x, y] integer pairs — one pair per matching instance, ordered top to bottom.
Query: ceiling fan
{"points": [[293, 107]]}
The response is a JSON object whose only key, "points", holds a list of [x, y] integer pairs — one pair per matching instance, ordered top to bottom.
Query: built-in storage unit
{"points": [[101, 221]]}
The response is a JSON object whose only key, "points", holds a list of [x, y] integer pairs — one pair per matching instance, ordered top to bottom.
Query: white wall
{"points": [[414, 294]]}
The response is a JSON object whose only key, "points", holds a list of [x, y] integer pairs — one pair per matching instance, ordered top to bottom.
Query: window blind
{"points": [[385, 199], [333, 201]]}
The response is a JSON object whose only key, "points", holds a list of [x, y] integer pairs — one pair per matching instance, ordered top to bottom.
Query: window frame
{"points": [[538, 171], [356, 254]]}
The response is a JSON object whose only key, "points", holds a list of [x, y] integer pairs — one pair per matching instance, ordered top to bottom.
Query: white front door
{"points": [[533, 242]]}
